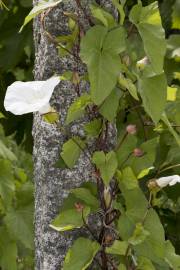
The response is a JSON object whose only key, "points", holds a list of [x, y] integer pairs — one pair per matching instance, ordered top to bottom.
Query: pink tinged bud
{"points": [[131, 129], [137, 152]]}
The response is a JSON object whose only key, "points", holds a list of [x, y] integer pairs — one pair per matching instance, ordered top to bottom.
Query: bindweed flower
{"points": [[27, 97], [168, 180]]}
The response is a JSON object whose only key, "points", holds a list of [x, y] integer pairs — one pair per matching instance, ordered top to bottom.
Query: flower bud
{"points": [[142, 63], [131, 129], [137, 152], [152, 184], [107, 196], [79, 207]]}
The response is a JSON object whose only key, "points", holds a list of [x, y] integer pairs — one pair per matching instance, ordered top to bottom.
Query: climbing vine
{"points": [[130, 112]]}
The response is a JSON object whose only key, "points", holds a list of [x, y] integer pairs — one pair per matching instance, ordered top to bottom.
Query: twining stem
{"points": [[87, 17], [121, 141], [168, 168], [88, 228]]}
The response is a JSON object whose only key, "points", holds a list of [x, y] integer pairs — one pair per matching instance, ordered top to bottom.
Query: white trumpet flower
{"points": [[27, 97], [168, 180]]}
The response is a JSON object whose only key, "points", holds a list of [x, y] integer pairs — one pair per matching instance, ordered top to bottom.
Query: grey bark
{"points": [[51, 184]]}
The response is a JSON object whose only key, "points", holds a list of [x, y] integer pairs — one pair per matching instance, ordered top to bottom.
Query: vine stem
{"points": [[88, 18], [50, 37], [140, 118], [121, 141], [168, 168], [142, 222], [88, 228]]}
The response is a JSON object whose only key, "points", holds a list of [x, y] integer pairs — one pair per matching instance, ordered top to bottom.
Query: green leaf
{"points": [[42, 5], [120, 9], [175, 15], [103, 16], [148, 21], [173, 44], [99, 50], [126, 83], [153, 91], [171, 93], [110, 106], [77, 108], [2, 115], [51, 117], [93, 128], [171, 129], [126, 148], [71, 151], [6, 153], [60, 163], [106, 163], [138, 164], [127, 178], [7, 186], [25, 194], [85, 195], [70, 219], [20, 225], [125, 227], [139, 235], [153, 246], [118, 247], [8, 251], [81, 254], [9, 256], [171, 257], [145, 264], [122, 267]]}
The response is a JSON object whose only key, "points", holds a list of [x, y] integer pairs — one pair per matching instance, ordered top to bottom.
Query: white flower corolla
{"points": [[142, 63], [26, 97], [168, 180]]}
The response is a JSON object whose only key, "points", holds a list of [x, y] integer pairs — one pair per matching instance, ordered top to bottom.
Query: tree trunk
{"points": [[51, 184]]}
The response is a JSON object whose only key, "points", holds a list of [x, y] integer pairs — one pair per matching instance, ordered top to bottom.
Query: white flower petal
{"points": [[26, 97], [45, 109], [168, 180], [175, 180]]}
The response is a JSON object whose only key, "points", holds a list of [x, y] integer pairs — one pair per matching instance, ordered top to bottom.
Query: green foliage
{"points": [[41, 6], [105, 17], [148, 21], [99, 50], [16, 63], [132, 69], [149, 89], [140, 98], [110, 106], [77, 109], [93, 128], [71, 151], [107, 164], [16, 206], [69, 219], [118, 247], [81, 254]]}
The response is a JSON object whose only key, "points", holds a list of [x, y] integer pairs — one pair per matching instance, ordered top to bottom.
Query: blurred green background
{"points": [[16, 186]]}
